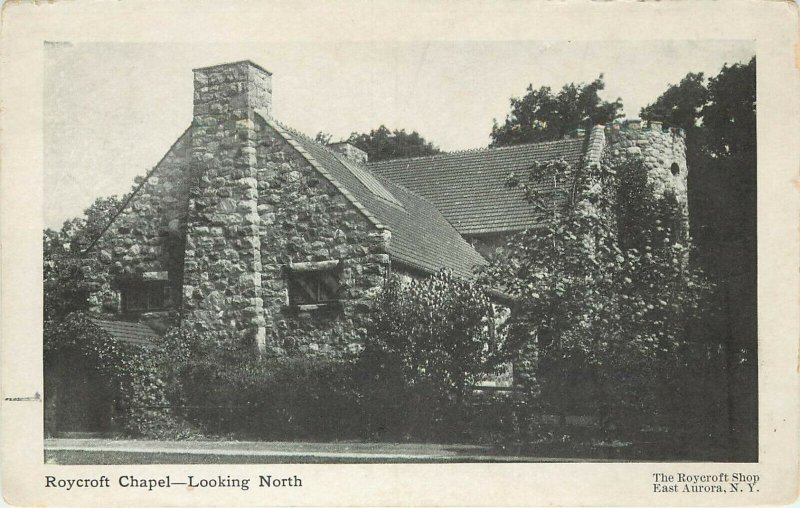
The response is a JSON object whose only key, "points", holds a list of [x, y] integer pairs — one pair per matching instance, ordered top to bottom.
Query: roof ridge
{"points": [[294, 132], [473, 150], [365, 167]]}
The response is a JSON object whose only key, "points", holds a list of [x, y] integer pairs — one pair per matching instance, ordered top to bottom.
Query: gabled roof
{"points": [[469, 188], [421, 236], [124, 331]]}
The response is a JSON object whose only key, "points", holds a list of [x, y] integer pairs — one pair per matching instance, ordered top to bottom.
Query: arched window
{"points": [[676, 170]]}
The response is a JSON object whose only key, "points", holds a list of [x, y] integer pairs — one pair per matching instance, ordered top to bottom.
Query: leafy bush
{"points": [[607, 299], [430, 340], [130, 374], [226, 389]]}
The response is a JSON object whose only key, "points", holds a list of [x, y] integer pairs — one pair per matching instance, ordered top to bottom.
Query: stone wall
{"points": [[663, 152], [228, 212], [305, 219], [146, 238]]}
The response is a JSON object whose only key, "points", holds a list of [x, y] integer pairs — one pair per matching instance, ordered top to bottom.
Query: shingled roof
{"points": [[469, 188], [421, 236], [124, 331]]}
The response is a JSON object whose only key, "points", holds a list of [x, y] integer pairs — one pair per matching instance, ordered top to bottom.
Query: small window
{"points": [[676, 170], [312, 287], [145, 296]]}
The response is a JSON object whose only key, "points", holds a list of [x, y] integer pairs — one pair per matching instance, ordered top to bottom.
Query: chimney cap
{"points": [[231, 64], [349, 150]]}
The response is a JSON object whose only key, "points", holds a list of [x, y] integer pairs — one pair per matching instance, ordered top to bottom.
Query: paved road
{"points": [[111, 451]]}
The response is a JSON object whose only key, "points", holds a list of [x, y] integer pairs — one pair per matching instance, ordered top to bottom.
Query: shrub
{"points": [[606, 300], [430, 340], [129, 372], [225, 389]]}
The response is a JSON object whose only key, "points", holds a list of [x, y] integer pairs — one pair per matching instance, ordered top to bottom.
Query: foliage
{"points": [[680, 105], [542, 115], [729, 116], [720, 120], [323, 138], [382, 143], [722, 155], [66, 287], [605, 295], [429, 342], [223, 388], [136, 390]]}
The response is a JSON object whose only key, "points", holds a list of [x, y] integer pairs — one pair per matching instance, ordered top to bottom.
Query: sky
{"points": [[113, 109]]}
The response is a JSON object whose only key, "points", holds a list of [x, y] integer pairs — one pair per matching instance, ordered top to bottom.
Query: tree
{"points": [[680, 105], [541, 115], [729, 115], [719, 119], [323, 138], [382, 143], [722, 155], [66, 287], [605, 296], [429, 342]]}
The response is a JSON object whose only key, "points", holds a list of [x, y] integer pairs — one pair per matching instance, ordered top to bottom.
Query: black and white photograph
{"points": [[399, 253], [350, 262]]}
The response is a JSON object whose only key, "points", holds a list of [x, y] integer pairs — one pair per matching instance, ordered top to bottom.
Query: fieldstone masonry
{"points": [[663, 151], [237, 205], [306, 220], [146, 238], [222, 273]]}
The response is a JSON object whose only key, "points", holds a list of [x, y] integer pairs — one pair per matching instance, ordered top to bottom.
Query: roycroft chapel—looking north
{"points": [[248, 225]]}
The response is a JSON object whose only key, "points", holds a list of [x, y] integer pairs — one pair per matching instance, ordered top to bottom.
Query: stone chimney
{"points": [[235, 89], [350, 151], [222, 271]]}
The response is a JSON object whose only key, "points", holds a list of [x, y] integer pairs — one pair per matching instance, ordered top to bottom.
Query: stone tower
{"points": [[663, 151]]}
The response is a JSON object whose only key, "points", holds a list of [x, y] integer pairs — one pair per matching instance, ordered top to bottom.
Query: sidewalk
{"points": [[110, 451]]}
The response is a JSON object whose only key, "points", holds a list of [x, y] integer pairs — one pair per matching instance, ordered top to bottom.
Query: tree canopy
{"points": [[680, 105], [544, 115], [719, 115], [720, 121], [383, 143]]}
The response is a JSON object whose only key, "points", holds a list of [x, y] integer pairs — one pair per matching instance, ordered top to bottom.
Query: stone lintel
{"points": [[313, 266], [155, 276]]}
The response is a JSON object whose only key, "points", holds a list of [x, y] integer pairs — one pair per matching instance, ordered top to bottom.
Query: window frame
{"points": [[308, 284]]}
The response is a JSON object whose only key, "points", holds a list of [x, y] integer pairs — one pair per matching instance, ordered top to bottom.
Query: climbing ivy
{"points": [[607, 300], [131, 374]]}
